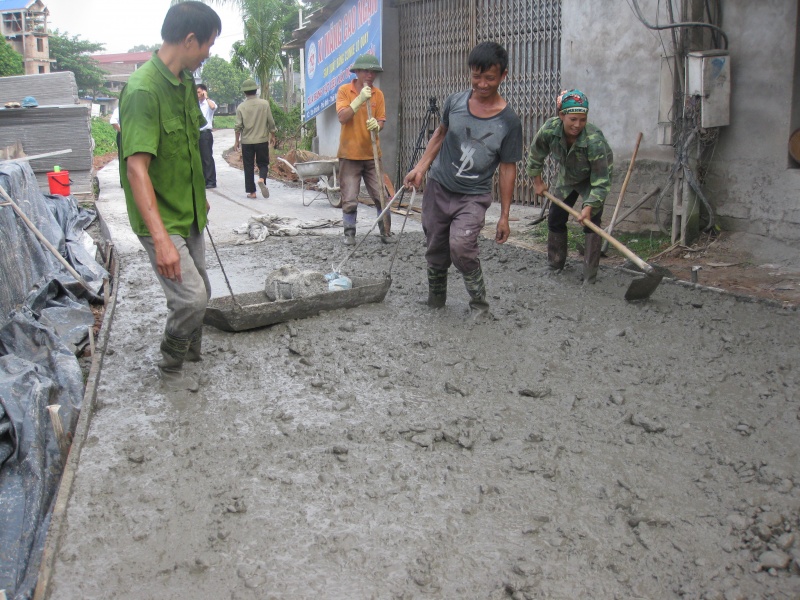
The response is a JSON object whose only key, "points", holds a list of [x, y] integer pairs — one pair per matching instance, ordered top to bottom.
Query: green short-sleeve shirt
{"points": [[159, 115]]}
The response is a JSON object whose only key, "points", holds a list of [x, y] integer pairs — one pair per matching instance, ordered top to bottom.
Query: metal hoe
{"points": [[225, 275], [640, 288]]}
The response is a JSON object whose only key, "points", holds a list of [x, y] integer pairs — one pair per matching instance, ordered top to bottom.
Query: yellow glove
{"points": [[366, 94], [372, 124]]}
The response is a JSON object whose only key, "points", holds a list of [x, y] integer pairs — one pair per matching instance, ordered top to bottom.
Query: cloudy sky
{"points": [[123, 24]]}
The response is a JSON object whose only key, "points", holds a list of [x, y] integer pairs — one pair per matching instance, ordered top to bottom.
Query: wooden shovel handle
{"points": [[373, 135], [614, 242]]}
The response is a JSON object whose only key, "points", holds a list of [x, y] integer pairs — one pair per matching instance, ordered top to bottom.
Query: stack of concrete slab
{"points": [[47, 88], [58, 123]]}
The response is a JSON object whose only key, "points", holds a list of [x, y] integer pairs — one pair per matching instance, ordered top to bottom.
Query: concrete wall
{"points": [[615, 60], [328, 126]]}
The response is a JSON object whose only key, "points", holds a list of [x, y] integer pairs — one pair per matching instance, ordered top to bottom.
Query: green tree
{"points": [[267, 23], [144, 48], [260, 51], [71, 54], [10, 61], [223, 80]]}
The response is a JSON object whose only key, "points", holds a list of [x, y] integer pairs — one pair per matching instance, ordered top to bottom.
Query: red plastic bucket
{"points": [[59, 182]]}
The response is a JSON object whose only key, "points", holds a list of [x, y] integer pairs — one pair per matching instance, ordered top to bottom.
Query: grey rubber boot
{"points": [[349, 220], [386, 239], [556, 250], [591, 257], [437, 287], [477, 291], [194, 353], [170, 367]]}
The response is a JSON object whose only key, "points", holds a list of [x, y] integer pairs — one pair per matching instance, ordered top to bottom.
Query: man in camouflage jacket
{"points": [[585, 168]]}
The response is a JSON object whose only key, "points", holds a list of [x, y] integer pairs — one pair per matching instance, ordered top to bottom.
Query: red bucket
{"points": [[59, 182]]}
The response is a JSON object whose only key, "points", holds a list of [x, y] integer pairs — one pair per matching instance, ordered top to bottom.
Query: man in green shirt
{"points": [[585, 168], [162, 175]]}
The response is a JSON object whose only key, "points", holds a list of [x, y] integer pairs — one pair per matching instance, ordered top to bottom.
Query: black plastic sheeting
{"points": [[41, 329]]}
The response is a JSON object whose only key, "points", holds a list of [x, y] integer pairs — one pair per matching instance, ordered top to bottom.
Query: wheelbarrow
{"points": [[326, 173]]}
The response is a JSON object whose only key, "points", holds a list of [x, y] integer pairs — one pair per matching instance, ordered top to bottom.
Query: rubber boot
{"points": [[349, 220], [386, 239], [556, 250], [591, 257], [437, 287], [477, 291], [194, 353], [170, 367]]}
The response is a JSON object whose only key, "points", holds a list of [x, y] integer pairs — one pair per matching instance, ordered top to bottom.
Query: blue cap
{"points": [[29, 102]]}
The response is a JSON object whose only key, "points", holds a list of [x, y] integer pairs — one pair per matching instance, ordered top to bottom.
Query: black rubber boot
{"points": [[350, 237], [556, 250], [591, 257], [437, 287], [477, 291], [194, 353], [170, 367]]}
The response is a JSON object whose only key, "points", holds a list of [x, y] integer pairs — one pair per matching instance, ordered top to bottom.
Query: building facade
{"points": [[24, 25]]}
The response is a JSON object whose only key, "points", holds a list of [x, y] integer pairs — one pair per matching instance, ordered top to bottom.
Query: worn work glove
{"points": [[363, 96], [372, 124]]}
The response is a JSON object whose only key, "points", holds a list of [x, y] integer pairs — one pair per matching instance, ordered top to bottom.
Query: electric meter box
{"points": [[708, 75]]}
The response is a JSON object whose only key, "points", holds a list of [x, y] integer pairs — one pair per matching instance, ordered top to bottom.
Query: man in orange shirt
{"points": [[356, 160]]}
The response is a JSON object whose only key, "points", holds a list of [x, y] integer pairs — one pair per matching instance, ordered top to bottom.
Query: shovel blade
{"points": [[642, 287]]}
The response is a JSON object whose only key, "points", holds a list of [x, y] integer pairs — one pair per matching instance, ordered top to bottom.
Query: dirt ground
{"points": [[574, 446]]}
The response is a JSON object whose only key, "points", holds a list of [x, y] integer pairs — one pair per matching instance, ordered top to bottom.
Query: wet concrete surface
{"points": [[571, 446]]}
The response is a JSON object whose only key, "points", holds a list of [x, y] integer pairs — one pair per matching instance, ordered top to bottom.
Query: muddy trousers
{"points": [[252, 155], [207, 157], [351, 172], [452, 223], [557, 239], [186, 300]]}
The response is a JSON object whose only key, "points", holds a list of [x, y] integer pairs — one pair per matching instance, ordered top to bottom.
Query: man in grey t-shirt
{"points": [[478, 133]]}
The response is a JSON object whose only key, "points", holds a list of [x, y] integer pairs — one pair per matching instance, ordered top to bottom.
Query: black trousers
{"points": [[254, 154], [207, 156], [557, 217]]}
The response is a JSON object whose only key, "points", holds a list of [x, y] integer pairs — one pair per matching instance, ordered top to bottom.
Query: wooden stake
{"points": [[374, 137], [58, 429]]}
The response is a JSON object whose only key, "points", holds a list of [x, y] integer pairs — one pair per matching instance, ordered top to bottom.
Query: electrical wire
{"points": [[639, 15]]}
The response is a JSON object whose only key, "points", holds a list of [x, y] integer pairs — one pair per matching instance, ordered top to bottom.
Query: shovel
{"points": [[640, 288]]}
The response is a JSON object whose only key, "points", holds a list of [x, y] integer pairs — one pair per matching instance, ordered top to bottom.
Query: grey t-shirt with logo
{"points": [[473, 147]]}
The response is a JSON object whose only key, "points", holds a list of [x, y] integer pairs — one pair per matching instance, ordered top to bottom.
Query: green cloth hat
{"points": [[366, 62], [249, 85], [574, 101]]}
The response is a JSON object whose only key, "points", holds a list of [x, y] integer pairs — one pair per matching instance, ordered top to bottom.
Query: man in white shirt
{"points": [[207, 107], [114, 122]]}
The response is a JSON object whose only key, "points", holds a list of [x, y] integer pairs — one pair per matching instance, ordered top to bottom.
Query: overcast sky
{"points": [[123, 24]]}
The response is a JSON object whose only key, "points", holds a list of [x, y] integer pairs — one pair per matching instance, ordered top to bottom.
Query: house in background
{"points": [[24, 25], [119, 68]]}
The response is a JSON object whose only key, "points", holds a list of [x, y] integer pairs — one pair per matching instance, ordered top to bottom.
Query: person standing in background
{"points": [[208, 107], [114, 122], [255, 129], [356, 158]]}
